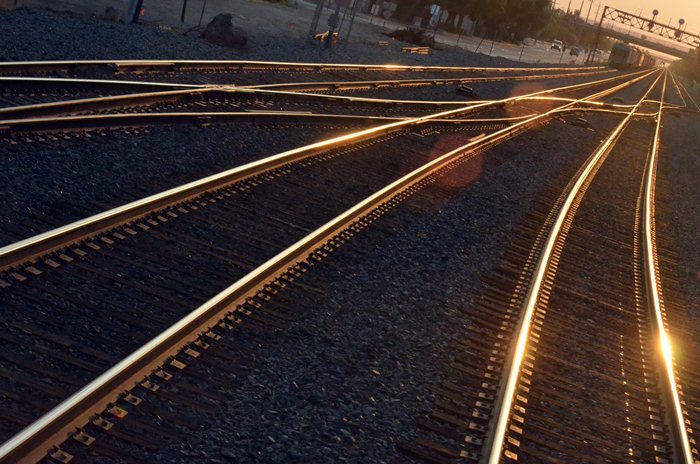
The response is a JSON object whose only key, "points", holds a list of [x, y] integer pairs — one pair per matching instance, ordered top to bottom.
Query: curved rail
{"points": [[14, 82], [343, 85], [173, 92], [687, 93], [120, 120], [123, 120], [19, 252], [651, 272], [53, 428], [494, 445]]}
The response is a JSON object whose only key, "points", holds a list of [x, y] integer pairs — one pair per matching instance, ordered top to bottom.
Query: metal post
{"points": [[355, 5], [184, 8], [135, 11], [201, 16], [314, 21], [342, 21], [332, 23], [483, 36], [493, 41], [521, 52], [591, 52]]}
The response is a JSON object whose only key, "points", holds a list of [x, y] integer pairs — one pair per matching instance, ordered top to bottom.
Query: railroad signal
{"points": [[652, 23]]}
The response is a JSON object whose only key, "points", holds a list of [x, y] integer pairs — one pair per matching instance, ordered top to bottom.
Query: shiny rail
{"points": [[183, 65], [349, 85], [166, 92], [14, 254], [651, 272], [54, 427], [494, 445]]}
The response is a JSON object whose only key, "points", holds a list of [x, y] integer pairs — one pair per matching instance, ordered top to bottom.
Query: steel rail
{"points": [[180, 65], [17, 82], [342, 85], [680, 93], [688, 93], [142, 99], [100, 103], [121, 120], [124, 120], [14, 254], [679, 433], [32, 443], [493, 445]]}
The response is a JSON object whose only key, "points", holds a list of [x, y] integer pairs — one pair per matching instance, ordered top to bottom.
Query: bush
{"points": [[414, 36]]}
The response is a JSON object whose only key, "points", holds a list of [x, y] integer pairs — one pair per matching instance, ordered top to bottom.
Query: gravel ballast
{"points": [[680, 163], [89, 173], [348, 379]]}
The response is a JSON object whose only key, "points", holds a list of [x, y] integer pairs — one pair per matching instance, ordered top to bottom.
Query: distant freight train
{"points": [[626, 56]]}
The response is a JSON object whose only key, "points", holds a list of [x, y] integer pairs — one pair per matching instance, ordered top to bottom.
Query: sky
{"points": [[668, 9]]}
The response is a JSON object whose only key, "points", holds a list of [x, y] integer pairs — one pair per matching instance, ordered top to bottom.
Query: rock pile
{"points": [[221, 31]]}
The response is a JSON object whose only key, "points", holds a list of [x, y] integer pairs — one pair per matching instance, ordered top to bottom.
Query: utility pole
{"points": [[590, 5], [568, 8], [184, 9], [591, 52]]}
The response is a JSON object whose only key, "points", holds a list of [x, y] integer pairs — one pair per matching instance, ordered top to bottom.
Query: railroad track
{"points": [[247, 72], [28, 92], [207, 100], [496, 113], [31, 266], [563, 361]]}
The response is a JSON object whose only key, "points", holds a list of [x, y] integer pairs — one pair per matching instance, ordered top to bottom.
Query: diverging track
{"points": [[161, 353], [569, 357]]}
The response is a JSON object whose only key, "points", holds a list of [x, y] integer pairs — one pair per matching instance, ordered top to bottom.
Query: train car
{"points": [[619, 55], [627, 56], [649, 61]]}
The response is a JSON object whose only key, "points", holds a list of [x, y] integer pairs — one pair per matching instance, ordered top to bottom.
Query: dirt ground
{"points": [[292, 21]]}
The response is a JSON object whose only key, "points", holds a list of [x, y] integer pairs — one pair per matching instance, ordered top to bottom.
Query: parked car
{"points": [[557, 45], [575, 51]]}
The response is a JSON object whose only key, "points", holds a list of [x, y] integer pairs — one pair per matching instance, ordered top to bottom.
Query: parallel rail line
{"points": [[377, 84], [166, 92], [13, 255], [521, 391], [55, 426], [495, 450]]}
